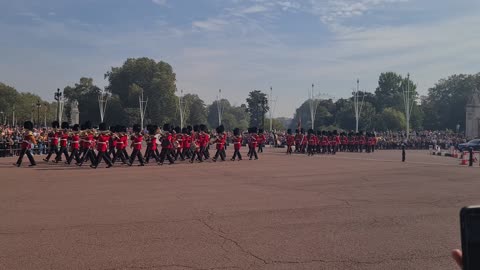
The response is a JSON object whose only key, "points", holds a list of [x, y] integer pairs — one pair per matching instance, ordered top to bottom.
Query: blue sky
{"points": [[240, 45]]}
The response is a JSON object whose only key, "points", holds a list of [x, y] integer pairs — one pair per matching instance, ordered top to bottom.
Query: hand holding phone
{"points": [[470, 230]]}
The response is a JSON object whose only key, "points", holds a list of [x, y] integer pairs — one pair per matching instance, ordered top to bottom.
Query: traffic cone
{"points": [[464, 159]]}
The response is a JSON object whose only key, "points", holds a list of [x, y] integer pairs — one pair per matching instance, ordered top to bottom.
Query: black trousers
{"points": [[260, 148], [53, 149], [289, 149], [63, 150], [311, 150], [24, 152], [111, 152], [206, 152], [253, 152], [151, 153], [180, 153], [186, 153], [220, 153], [237, 153], [74, 154], [88, 154], [136, 154], [166, 154], [197, 154], [102, 155], [120, 155]]}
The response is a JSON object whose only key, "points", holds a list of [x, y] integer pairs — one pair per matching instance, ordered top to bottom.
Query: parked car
{"points": [[475, 144]]}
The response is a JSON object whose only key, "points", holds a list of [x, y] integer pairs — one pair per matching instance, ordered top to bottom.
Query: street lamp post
{"points": [[58, 98], [38, 113]]}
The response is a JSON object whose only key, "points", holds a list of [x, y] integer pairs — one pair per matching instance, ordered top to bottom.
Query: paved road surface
{"points": [[352, 211]]}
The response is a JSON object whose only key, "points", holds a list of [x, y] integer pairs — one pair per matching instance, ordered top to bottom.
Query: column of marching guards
{"points": [[329, 142], [83, 144]]}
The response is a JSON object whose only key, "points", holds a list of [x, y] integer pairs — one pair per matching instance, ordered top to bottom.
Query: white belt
{"points": [[63, 140], [75, 141], [101, 142], [119, 142], [137, 143]]}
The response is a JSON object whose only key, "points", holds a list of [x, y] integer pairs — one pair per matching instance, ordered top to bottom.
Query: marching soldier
{"points": [[28, 140], [137, 140], [261, 140], [52, 141], [220, 141], [290, 141], [63, 142], [121, 142], [312, 142], [179, 143], [252, 143], [151, 144], [237, 144], [74, 145], [167, 145], [195, 145], [88, 146], [102, 147]]}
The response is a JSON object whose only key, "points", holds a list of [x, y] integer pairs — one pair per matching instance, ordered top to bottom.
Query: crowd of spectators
{"points": [[11, 140]]}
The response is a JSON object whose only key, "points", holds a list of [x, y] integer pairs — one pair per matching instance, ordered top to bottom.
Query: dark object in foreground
{"points": [[403, 153], [470, 231]]}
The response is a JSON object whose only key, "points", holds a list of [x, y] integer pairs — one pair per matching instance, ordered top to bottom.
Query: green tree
{"points": [[156, 79], [86, 93], [257, 107], [195, 110], [390, 119]]}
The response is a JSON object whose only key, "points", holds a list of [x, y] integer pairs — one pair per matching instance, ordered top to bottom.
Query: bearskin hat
{"points": [[55, 124], [28, 125], [65, 125], [87, 125], [76, 127], [102, 127], [166, 127], [202, 127], [136, 128], [196, 128], [113, 129], [122, 129], [178, 129], [189, 129], [220, 129], [185, 130], [254, 130], [296, 130], [302, 130], [236, 131], [260, 131], [289, 131], [310, 131], [319, 132], [335, 132]]}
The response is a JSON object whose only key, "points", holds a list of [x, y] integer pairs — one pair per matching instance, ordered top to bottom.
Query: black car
{"points": [[475, 144]]}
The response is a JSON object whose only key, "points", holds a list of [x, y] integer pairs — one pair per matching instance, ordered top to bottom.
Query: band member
{"points": [[63, 134], [202, 139], [28, 140], [137, 140], [261, 140], [298, 140], [52, 141], [186, 141], [220, 141], [290, 141], [304, 141], [344, 141], [351, 141], [121, 142], [312, 142], [324, 142], [361, 142], [373, 142], [112, 143], [206, 143], [252, 143], [151, 144], [178, 144], [237, 144], [74, 145], [88, 145], [167, 145], [195, 146], [102, 147]]}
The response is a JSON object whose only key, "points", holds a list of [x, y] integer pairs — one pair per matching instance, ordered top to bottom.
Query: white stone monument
{"points": [[74, 113], [472, 123]]}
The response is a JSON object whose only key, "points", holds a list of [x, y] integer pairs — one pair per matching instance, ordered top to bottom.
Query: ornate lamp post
{"points": [[58, 98]]}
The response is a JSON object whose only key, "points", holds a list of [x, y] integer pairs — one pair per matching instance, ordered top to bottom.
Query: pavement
{"points": [[349, 211]]}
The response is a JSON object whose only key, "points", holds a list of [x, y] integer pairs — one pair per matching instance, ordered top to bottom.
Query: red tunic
{"points": [[180, 137], [53, 138], [64, 140], [290, 140], [312, 140], [27, 141], [75, 141], [88, 141], [187, 141], [253, 141], [137, 142], [221, 142], [237, 142], [102, 143], [153, 143]]}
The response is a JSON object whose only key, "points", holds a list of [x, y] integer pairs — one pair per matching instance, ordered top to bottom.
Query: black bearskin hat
{"points": [[55, 124], [28, 125], [65, 125], [87, 125], [76, 127], [102, 127], [167, 127], [137, 128], [196, 128], [202, 128], [113, 129], [122, 129], [151, 129], [178, 129], [189, 129], [220, 129], [185, 130], [254, 130], [296, 130], [302, 130], [260, 131], [289, 131], [310, 131], [236, 132], [319, 132], [335, 132], [324, 133]]}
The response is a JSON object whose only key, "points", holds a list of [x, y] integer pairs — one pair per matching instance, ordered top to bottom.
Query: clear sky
{"points": [[240, 45]]}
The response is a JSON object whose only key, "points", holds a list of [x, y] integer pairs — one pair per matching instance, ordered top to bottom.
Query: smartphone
{"points": [[470, 230]]}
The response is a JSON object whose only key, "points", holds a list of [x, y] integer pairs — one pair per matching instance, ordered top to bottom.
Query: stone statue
{"points": [[74, 113], [472, 123]]}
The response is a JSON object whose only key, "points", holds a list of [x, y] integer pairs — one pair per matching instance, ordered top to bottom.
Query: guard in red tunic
{"points": [[63, 134], [28, 140], [137, 140], [261, 140], [298, 140], [52, 141], [290, 141], [304, 141], [344, 141], [351, 141], [361, 141], [121, 142], [220, 142], [312, 142], [324, 142], [373, 142], [112, 143], [186, 143], [252, 143], [151, 144], [178, 144], [237, 144], [74, 145], [167, 145], [195, 146], [102, 147]]}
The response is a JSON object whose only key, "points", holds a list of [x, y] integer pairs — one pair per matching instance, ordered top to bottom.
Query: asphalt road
{"points": [[351, 211]]}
